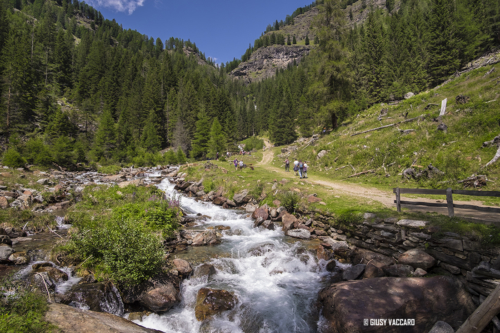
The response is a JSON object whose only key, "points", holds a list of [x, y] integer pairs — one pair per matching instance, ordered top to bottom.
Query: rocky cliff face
{"points": [[264, 62]]}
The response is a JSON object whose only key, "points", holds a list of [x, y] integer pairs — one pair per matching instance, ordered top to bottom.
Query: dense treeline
{"points": [[414, 49], [84, 89]]}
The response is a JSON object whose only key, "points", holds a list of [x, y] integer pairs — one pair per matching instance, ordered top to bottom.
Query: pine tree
{"points": [[294, 40], [307, 40], [288, 41], [443, 46], [282, 127], [105, 137], [201, 137], [151, 141], [217, 143], [181, 157]]}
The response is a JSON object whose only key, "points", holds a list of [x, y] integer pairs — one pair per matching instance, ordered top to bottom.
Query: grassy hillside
{"points": [[457, 152]]}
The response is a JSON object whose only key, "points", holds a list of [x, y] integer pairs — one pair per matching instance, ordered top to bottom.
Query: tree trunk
{"points": [[8, 110], [495, 158], [483, 314]]}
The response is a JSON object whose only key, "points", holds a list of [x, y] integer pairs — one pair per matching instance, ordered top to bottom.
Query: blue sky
{"points": [[221, 29]]}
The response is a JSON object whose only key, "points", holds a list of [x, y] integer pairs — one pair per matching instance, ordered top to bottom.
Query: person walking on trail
{"points": [[235, 164], [241, 165], [287, 165], [296, 167], [301, 168], [304, 170]]}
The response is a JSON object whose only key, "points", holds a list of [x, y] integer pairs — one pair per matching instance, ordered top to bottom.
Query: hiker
{"points": [[235, 162], [241, 164], [287, 165], [296, 167], [301, 168], [304, 170]]}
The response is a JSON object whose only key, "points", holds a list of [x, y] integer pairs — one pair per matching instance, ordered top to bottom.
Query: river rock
{"points": [[113, 178], [241, 197], [4, 203], [249, 208], [261, 212], [288, 221], [258, 222], [268, 224], [299, 233], [207, 237], [4, 239], [5, 252], [19, 258], [417, 258], [331, 265], [182, 266], [204, 270], [398, 270], [372, 271], [353, 272], [419, 272], [56, 275], [100, 297], [160, 299], [210, 302], [345, 305], [72, 320]]}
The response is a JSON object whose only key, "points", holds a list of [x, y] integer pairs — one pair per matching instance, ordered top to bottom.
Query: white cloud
{"points": [[119, 5]]}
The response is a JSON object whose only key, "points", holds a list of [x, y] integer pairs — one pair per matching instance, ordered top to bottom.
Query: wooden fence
{"points": [[449, 199]]}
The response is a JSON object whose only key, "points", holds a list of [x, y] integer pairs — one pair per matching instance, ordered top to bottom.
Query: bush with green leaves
{"points": [[253, 143], [36, 152], [170, 157], [181, 157], [12, 158], [208, 185], [289, 200], [125, 251], [24, 312]]}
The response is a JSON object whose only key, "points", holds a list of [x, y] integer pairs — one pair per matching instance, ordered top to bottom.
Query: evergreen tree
{"points": [[294, 40], [307, 40], [288, 41], [444, 59], [282, 127], [201, 137], [105, 138], [151, 141], [217, 143], [181, 157]]}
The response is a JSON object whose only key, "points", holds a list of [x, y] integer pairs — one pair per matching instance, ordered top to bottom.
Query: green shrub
{"points": [[253, 143], [36, 152], [170, 157], [181, 157], [13, 159], [222, 159], [110, 169], [208, 185], [256, 191], [289, 200], [346, 218], [125, 251], [24, 312]]}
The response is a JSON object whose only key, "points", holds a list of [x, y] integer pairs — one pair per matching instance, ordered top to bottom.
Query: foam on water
{"points": [[276, 283]]}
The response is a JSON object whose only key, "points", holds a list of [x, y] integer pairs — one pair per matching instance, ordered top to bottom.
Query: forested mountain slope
{"points": [[124, 95]]}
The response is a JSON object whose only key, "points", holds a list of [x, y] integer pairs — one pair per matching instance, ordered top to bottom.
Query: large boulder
{"points": [[135, 182], [207, 237], [5, 252], [417, 258], [204, 270], [398, 270], [353, 272], [100, 297], [160, 299], [210, 302], [345, 305], [72, 320]]}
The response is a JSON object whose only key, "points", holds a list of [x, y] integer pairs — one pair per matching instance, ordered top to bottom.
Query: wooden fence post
{"points": [[398, 199], [449, 201], [483, 314]]}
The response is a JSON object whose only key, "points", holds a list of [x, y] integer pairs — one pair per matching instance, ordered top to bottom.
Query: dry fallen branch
{"points": [[361, 173]]}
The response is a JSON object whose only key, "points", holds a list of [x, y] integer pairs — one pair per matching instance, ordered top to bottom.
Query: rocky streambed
{"points": [[238, 267]]}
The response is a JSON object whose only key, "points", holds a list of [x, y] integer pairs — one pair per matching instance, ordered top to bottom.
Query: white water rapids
{"points": [[276, 286]]}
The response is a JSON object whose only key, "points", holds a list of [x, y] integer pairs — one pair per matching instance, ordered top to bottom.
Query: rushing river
{"points": [[275, 278]]}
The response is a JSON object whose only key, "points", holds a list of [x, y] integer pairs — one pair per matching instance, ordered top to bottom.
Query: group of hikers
{"points": [[238, 163], [299, 167]]}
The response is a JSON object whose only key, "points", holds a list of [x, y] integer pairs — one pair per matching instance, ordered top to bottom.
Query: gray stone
{"points": [[409, 95], [321, 154], [240, 197], [251, 208], [390, 220], [412, 223], [299, 233], [386, 234], [420, 235], [454, 244], [336, 245], [470, 245], [5, 251], [417, 258], [331, 265], [182, 266], [450, 268], [204, 270], [399, 270], [353, 272], [419, 272], [441, 327]]}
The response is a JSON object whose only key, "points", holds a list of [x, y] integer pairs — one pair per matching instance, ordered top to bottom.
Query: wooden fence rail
{"points": [[449, 199]]}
